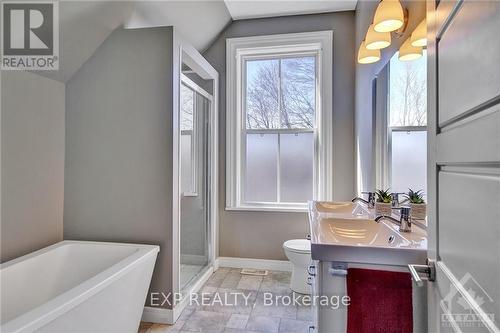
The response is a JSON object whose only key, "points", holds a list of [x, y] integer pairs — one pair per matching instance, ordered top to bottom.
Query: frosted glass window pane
{"points": [[298, 87], [262, 91], [409, 161], [186, 164], [296, 166], [261, 168]]}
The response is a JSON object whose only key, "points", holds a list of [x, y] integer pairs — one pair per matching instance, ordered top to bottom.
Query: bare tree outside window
{"points": [[408, 92], [281, 93], [280, 96], [187, 108], [408, 121]]}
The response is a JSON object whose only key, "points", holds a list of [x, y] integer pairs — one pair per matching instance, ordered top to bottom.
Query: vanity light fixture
{"points": [[389, 16], [419, 35], [377, 40], [409, 52], [366, 56]]}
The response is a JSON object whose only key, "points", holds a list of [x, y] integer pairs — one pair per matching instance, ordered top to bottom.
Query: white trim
{"points": [[320, 43], [191, 84], [381, 133], [269, 208], [273, 265], [170, 316]]}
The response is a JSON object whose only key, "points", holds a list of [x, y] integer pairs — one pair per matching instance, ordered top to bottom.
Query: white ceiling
{"points": [[244, 9], [84, 25]]}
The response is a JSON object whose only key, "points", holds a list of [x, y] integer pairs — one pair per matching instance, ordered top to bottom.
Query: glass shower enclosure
{"points": [[194, 180]]}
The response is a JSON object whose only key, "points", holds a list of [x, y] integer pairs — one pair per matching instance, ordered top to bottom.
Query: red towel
{"points": [[381, 301]]}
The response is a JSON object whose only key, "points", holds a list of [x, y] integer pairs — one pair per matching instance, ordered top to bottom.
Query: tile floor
{"points": [[252, 317]]}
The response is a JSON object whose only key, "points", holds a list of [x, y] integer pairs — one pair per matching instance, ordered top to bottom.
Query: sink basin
{"points": [[334, 207], [340, 209], [346, 231], [359, 232]]}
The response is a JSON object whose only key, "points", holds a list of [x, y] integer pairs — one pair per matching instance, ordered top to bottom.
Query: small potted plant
{"points": [[383, 205], [418, 207]]}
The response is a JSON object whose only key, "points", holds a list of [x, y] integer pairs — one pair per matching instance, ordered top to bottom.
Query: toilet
{"points": [[298, 251]]}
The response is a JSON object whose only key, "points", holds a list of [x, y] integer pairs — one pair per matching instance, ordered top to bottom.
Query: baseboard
{"points": [[273, 265], [170, 316]]}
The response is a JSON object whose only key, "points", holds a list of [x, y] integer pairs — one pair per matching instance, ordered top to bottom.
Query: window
{"points": [[407, 124], [279, 128], [188, 140]]}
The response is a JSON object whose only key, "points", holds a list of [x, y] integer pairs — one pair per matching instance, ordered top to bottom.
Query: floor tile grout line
{"points": [[272, 283]]}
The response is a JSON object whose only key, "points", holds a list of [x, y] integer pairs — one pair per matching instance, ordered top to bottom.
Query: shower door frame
{"points": [[186, 53], [197, 90]]}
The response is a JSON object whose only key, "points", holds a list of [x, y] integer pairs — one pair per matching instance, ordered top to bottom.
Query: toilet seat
{"points": [[298, 246]]}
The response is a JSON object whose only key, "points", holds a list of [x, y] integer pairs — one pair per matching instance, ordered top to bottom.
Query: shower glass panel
{"points": [[194, 168]]}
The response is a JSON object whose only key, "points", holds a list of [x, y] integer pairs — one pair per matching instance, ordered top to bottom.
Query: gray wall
{"points": [[365, 74], [32, 168], [118, 180], [261, 234]]}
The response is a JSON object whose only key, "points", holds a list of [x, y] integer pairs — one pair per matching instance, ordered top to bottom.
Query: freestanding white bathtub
{"points": [[75, 286]]}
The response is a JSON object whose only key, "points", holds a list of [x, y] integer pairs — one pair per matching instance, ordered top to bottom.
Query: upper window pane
{"points": [[298, 86], [408, 92], [281, 93], [262, 94]]}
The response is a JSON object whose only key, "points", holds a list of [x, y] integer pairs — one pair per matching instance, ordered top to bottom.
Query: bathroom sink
{"points": [[340, 209], [346, 231], [359, 232]]}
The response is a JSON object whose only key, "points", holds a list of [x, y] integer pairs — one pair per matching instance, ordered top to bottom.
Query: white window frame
{"points": [[237, 50]]}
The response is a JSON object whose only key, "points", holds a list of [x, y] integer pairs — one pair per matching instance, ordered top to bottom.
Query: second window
{"points": [[278, 134]]}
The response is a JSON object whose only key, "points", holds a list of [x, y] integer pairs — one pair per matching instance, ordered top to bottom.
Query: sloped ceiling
{"points": [[197, 21], [84, 25]]}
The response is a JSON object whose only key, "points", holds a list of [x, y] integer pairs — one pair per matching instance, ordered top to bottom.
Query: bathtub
{"points": [[75, 286]]}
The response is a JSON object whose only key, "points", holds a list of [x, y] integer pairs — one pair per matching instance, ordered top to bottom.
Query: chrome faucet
{"points": [[371, 199], [395, 199], [404, 222]]}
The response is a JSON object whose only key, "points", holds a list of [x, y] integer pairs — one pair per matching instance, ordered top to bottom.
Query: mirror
{"points": [[400, 109]]}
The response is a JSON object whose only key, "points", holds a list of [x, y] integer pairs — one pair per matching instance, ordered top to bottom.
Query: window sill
{"points": [[301, 209]]}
